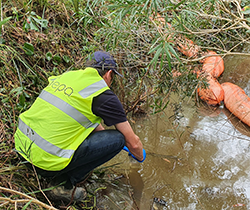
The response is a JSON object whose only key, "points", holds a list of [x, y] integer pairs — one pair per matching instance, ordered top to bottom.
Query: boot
{"points": [[62, 193]]}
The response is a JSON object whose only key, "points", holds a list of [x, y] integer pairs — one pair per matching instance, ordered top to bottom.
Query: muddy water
{"points": [[200, 162]]}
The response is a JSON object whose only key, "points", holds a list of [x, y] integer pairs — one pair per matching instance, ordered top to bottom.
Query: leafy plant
{"points": [[246, 10], [4, 21], [34, 22], [28, 48], [48, 56], [66, 59], [56, 60]]}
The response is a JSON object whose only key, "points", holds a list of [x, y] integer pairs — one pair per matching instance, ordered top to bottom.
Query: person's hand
{"points": [[129, 153]]}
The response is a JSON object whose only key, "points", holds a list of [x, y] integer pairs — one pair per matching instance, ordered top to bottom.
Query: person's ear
{"points": [[110, 72], [108, 77]]}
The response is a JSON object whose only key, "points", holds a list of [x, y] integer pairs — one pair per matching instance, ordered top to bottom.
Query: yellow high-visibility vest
{"points": [[60, 119]]}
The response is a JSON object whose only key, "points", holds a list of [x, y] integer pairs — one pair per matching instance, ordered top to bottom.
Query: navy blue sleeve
{"points": [[109, 108]]}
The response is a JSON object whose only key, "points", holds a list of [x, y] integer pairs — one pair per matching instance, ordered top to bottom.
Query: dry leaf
{"points": [[166, 160]]}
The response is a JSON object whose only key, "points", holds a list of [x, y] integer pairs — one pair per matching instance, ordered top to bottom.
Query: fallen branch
{"points": [[27, 199]]}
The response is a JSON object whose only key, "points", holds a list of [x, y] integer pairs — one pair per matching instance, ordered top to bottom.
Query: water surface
{"points": [[201, 162]]}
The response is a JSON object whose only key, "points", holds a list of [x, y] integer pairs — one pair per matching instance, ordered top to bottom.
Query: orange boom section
{"points": [[213, 65], [212, 68], [213, 94], [237, 101]]}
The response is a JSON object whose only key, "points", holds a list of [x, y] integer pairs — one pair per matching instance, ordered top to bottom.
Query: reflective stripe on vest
{"points": [[87, 91], [67, 108], [42, 143]]}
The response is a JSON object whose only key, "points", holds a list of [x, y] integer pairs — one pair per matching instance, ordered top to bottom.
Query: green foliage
{"points": [[76, 5], [246, 11], [4, 21], [34, 22], [28, 48], [49, 56], [66, 59], [56, 60], [26, 205]]}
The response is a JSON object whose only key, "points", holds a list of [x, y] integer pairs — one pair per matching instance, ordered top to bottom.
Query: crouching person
{"points": [[61, 134]]}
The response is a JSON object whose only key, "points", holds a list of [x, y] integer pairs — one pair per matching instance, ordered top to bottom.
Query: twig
{"points": [[1, 5], [66, 13], [173, 167], [39, 185], [28, 199]]}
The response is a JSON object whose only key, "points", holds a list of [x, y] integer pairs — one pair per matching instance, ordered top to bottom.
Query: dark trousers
{"points": [[97, 149]]}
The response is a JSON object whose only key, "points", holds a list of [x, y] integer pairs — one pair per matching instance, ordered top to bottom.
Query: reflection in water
{"points": [[241, 127], [202, 164], [135, 180]]}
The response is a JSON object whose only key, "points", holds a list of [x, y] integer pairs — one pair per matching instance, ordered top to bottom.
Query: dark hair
{"points": [[92, 63]]}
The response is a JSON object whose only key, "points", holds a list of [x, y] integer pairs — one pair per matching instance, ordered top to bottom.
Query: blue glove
{"points": [[127, 150], [129, 153]]}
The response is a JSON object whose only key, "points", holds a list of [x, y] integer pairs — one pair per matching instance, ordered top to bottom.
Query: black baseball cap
{"points": [[105, 60]]}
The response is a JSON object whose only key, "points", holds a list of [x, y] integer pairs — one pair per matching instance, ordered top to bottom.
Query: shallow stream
{"points": [[204, 163]]}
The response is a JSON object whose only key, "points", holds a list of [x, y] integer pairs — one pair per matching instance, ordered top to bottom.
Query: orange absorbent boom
{"points": [[213, 65], [212, 68], [213, 94], [235, 99], [237, 102]]}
